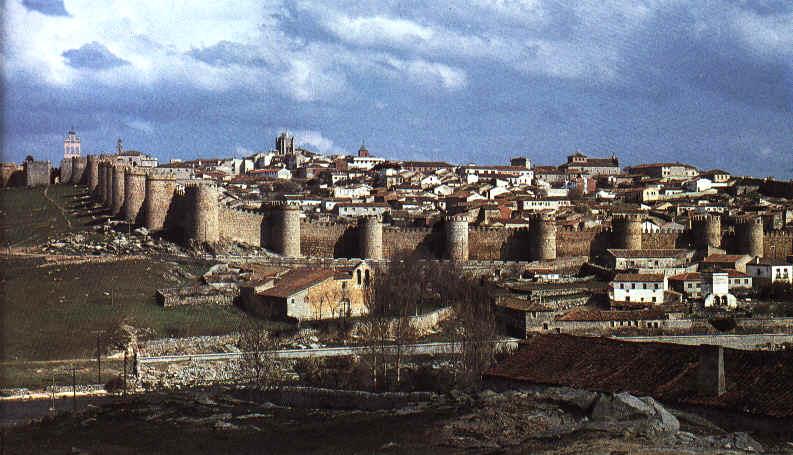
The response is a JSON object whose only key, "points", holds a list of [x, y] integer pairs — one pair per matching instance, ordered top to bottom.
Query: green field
{"points": [[29, 215], [54, 312]]}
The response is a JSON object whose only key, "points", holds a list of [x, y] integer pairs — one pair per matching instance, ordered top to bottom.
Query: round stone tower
{"points": [[66, 170], [78, 170], [92, 171], [102, 185], [109, 185], [118, 189], [99, 192], [134, 195], [159, 195], [205, 214], [627, 228], [286, 230], [706, 231], [749, 235], [542, 236], [457, 237], [371, 239]]}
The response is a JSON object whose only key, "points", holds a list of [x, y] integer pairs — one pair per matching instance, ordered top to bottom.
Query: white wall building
{"points": [[770, 270], [638, 288]]}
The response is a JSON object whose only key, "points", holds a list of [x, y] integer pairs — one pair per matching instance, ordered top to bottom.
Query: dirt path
{"points": [[59, 207]]}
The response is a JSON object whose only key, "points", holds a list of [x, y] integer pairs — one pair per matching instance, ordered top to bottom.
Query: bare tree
{"points": [[391, 298], [472, 329], [258, 366]]}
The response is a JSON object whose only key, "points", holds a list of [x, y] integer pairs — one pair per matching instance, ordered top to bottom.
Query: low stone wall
{"points": [[197, 295], [425, 323], [767, 325], [745, 342], [189, 345]]}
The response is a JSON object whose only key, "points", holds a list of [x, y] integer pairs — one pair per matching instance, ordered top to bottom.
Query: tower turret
{"points": [[92, 169], [78, 170], [118, 190], [134, 195], [159, 196], [205, 214], [286, 229], [627, 229], [706, 231], [749, 235], [457, 237], [543, 237], [371, 238]]}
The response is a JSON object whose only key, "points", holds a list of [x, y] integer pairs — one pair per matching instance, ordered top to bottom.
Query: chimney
{"points": [[710, 374]]}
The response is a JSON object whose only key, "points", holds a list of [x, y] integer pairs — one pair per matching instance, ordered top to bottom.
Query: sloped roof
{"points": [[640, 277], [297, 280], [603, 315], [758, 382]]}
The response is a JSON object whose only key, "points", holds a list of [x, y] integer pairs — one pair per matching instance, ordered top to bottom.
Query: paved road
{"points": [[410, 349]]}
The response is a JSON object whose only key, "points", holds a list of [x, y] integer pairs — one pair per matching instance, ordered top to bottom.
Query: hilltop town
{"points": [[586, 267]]}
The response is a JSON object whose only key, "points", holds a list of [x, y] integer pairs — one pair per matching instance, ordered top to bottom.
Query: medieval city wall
{"points": [[244, 226], [328, 239], [425, 242], [497, 244]]}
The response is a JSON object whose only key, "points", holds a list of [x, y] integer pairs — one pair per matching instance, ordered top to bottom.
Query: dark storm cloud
{"points": [[48, 7], [93, 56]]}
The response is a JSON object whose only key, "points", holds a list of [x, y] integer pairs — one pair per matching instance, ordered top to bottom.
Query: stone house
{"points": [[309, 293]]}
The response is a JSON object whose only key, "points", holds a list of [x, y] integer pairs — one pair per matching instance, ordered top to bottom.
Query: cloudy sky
{"points": [[710, 83]]}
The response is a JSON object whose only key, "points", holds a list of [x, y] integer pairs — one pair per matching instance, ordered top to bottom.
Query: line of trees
{"points": [[407, 287]]}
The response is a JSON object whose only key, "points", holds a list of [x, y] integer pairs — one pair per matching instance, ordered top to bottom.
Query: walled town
{"points": [[621, 308]]}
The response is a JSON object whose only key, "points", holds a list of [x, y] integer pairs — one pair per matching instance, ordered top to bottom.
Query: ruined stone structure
{"points": [[66, 170], [78, 170], [92, 172], [37, 173], [118, 190], [160, 192], [134, 195], [204, 227], [286, 229], [627, 229], [706, 231], [749, 235], [543, 237], [371, 238], [457, 238]]}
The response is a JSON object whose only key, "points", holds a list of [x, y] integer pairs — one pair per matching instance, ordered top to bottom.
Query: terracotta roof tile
{"points": [[758, 382]]}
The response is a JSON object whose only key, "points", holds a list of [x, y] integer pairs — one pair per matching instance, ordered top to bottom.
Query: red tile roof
{"points": [[689, 276], [640, 277], [297, 280], [600, 315], [758, 382]]}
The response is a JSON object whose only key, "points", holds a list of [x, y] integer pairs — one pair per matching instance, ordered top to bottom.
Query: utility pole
{"points": [[98, 359], [125, 373], [52, 395]]}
